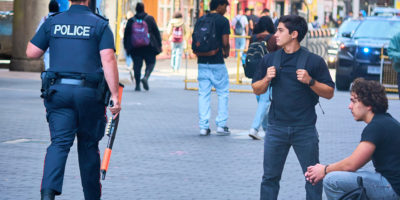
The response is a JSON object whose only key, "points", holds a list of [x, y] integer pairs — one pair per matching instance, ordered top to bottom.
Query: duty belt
{"points": [[80, 82]]}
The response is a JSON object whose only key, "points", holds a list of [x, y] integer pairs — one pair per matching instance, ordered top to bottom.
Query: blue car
{"points": [[347, 26], [360, 55]]}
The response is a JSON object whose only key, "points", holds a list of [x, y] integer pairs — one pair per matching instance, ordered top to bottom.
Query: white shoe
{"points": [[223, 131], [205, 132], [253, 133]]}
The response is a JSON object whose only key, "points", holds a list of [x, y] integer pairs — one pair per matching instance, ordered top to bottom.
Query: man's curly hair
{"points": [[371, 93]]}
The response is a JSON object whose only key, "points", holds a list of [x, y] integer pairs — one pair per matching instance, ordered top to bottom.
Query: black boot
{"points": [[145, 83], [137, 88], [47, 194]]}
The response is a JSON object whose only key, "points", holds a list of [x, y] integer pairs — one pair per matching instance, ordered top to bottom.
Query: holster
{"points": [[48, 79], [103, 91]]}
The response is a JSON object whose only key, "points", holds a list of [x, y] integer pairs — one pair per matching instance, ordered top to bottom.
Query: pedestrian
{"points": [[64, 5], [53, 8], [247, 12], [265, 12], [349, 15], [254, 17], [275, 18], [315, 23], [240, 25], [264, 31], [178, 35], [142, 41], [82, 47], [394, 53], [128, 58], [211, 65], [297, 78], [380, 141]]}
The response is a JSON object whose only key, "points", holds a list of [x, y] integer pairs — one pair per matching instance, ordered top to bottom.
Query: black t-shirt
{"points": [[222, 28], [293, 103], [384, 132]]}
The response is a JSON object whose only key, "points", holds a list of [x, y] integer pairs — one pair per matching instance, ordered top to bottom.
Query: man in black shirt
{"points": [[247, 12], [213, 73], [295, 92], [380, 142]]}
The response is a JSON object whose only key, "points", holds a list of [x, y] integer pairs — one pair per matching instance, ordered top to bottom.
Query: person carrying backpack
{"points": [[240, 27], [178, 33], [142, 41], [210, 42], [262, 42], [297, 78], [379, 142]]}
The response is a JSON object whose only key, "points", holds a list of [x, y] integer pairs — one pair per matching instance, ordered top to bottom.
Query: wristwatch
{"points": [[311, 83]]}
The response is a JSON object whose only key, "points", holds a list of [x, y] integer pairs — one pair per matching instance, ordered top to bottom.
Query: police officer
{"points": [[82, 55]]}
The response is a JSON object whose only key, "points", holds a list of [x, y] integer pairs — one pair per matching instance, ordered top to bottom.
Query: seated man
{"points": [[380, 141]]}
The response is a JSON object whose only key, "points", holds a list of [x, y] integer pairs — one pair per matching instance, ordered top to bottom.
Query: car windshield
{"points": [[348, 26], [382, 29]]}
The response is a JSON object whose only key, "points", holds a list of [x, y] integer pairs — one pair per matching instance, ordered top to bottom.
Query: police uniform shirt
{"points": [[75, 39]]}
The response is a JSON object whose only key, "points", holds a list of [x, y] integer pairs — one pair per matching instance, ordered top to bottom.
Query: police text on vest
{"points": [[72, 30]]}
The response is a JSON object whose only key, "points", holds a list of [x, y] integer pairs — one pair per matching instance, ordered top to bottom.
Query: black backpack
{"points": [[238, 27], [204, 37], [255, 53], [357, 194]]}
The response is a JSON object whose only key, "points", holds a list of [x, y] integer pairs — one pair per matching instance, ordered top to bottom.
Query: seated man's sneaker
{"points": [[223, 131], [205, 132], [253, 133]]}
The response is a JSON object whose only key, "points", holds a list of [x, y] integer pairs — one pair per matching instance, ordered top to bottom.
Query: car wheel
{"points": [[342, 83]]}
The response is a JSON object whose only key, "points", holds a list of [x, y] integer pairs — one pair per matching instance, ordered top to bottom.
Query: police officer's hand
{"points": [[271, 73], [303, 76], [116, 107]]}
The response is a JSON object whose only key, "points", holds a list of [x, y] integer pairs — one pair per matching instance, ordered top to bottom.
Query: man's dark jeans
{"points": [[277, 143]]}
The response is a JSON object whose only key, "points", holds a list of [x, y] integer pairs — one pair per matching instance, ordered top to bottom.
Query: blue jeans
{"points": [[240, 43], [176, 55], [213, 75], [261, 117], [277, 143], [338, 183]]}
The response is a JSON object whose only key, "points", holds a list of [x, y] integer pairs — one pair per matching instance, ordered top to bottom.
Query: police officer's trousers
{"points": [[74, 111]]}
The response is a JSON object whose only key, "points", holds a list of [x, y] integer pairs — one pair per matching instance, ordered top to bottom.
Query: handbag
{"points": [[359, 193]]}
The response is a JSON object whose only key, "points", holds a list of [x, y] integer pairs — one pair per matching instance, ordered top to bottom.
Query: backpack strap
{"points": [[268, 37], [277, 59], [301, 63]]}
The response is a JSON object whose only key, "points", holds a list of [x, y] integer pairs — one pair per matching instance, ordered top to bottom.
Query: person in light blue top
{"points": [[64, 5], [53, 8]]}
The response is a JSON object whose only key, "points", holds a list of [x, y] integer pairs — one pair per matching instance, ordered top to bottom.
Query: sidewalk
{"points": [[158, 153]]}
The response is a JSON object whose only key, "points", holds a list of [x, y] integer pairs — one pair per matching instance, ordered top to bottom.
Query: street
{"points": [[158, 153]]}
